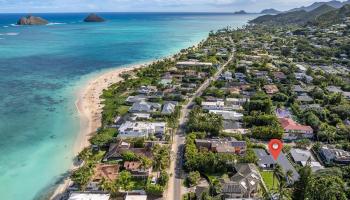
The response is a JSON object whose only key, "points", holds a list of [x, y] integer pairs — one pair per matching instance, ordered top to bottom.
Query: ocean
{"points": [[42, 67]]}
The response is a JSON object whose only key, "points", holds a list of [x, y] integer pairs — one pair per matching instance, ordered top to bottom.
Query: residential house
{"points": [[193, 63], [301, 67], [260, 74], [239, 75], [227, 76], [279, 76], [303, 77], [165, 82], [271, 89], [298, 89], [334, 89], [146, 90], [346, 95], [304, 98], [133, 99], [232, 102], [213, 105], [144, 107], [310, 107], [169, 108], [283, 113], [228, 115], [139, 116], [231, 126], [141, 129], [294, 130], [227, 145], [116, 150], [334, 155], [302, 157], [265, 161], [283, 161], [137, 170], [107, 172], [244, 184], [89, 196], [135, 197]]}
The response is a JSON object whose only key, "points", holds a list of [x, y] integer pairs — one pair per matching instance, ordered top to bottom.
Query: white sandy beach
{"points": [[89, 108]]}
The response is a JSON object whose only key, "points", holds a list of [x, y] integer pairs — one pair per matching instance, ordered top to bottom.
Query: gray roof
{"points": [[298, 88], [304, 97], [137, 98], [144, 106], [168, 108], [229, 124], [300, 155], [264, 159], [283, 161], [246, 179]]}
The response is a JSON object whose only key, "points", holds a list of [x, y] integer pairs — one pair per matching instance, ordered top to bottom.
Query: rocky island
{"points": [[241, 12], [94, 18], [32, 20]]}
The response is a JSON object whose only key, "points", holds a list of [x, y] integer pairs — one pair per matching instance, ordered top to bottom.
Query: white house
{"points": [[193, 63], [213, 105], [228, 115], [141, 129], [88, 196]]}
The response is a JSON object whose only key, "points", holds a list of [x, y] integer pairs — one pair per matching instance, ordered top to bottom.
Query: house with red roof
{"points": [[294, 131]]}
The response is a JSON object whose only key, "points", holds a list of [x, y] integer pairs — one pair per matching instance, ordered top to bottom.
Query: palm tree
{"points": [[328, 132], [277, 173], [289, 175], [109, 186], [283, 190]]}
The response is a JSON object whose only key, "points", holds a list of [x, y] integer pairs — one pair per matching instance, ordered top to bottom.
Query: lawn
{"points": [[268, 179]]}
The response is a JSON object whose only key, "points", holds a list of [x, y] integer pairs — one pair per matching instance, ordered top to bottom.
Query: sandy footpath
{"points": [[90, 113]]}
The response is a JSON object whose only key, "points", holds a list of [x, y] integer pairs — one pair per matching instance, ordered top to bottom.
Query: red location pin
{"points": [[275, 148]]}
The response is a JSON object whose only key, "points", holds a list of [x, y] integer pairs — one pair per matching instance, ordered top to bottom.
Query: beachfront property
{"points": [[193, 63], [141, 129], [294, 131], [223, 145], [116, 150], [107, 172], [244, 184], [89, 196]]}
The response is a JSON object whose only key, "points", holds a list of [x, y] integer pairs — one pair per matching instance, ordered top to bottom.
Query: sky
{"points": [[34, 6]]}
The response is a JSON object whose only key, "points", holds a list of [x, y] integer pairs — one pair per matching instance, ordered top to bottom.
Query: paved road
{"points": [[175, 188]]}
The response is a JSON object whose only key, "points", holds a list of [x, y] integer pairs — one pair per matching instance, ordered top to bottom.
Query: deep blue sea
{"points": [[41, 68]]}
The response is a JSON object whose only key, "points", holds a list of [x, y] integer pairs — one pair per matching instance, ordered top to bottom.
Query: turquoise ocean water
{"points": [[41, 68]]}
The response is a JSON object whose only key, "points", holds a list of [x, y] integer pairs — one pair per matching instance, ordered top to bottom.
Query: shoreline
{"points": [[89, 109]]}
